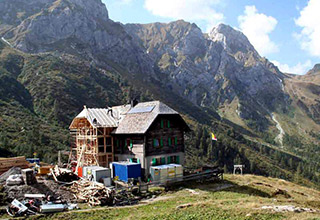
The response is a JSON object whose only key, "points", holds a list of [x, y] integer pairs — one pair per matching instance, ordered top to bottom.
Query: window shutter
{"points": [[161, 124], [168, 124], [169, 141], [176, 141], [154, 142], [161, 142], [131, 145], [169, 159], [178, 159], [130, 160], [138, 160], [163, 160], [154, 161]]}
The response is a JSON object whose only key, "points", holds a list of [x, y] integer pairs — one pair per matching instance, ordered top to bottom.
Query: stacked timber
{"points": [[7, 163], [92, 193]]}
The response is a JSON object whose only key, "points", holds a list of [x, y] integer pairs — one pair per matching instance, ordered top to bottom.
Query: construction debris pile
{"points": [[63, 175], [43, 185], [92, 193], [38, 203]]}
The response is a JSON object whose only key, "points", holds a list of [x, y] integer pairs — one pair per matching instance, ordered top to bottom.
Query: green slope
{"points": [[238, 197]]}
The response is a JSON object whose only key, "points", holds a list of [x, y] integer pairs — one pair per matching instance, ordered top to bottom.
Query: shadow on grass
{"points": [[218, 186]]}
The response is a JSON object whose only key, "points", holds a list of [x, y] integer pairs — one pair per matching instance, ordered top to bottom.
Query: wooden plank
{"points": [[12, 158], [7, 163]]}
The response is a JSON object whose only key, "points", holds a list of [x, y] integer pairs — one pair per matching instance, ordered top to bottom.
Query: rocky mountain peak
{"points": [[92, 7], [232, 40], [314, 70]]}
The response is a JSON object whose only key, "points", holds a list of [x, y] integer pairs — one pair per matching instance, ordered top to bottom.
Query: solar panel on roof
{"points": [[141, 109]]}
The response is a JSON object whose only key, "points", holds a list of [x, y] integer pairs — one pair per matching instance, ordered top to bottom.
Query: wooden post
{"points": [[59, 158]]}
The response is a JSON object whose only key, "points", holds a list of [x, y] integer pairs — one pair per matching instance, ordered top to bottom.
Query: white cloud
{"points": [[124, 2], [190, 10], [257, 27], [309, 36], [300, 68]]}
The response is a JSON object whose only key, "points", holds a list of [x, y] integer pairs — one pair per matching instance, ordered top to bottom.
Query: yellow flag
{"points": [[213, 137]]}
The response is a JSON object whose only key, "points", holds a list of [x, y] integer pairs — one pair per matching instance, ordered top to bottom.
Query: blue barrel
{"points": [[33, 160], [126, 170]]}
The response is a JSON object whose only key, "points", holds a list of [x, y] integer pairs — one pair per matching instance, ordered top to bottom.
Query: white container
{"points": [[87, 171], [171, 171], [178, 171], [99, 173], [159, 173], [107, 181]]}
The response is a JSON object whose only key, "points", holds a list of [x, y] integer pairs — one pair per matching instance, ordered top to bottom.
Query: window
{"points": [[100, 141], [155, 142], [129, 143], [101, 145], [108, 145], [101, 149], [174, 159], [134, 160], [158, 161], [154, 162]]}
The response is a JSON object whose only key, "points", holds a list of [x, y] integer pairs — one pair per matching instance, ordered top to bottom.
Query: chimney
{"points": [[133, 102], [110, 110]]}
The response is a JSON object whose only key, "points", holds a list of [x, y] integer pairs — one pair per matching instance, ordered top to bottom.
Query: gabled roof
{"points": [[102, 117], [139, 119], [127, 120]]}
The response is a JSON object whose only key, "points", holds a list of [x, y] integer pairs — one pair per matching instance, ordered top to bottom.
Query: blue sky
{"points": [[287, 32]]}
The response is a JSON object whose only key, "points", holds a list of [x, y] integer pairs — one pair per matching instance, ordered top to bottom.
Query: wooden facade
{"points": [[165, 136]]}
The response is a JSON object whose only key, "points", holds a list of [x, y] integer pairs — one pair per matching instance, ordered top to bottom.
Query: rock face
{"points": [[77, 27], [213, 71], [217, 71], [305, 91]]}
